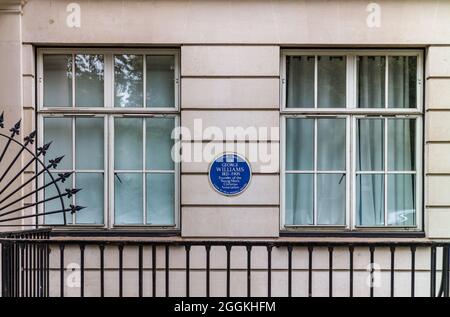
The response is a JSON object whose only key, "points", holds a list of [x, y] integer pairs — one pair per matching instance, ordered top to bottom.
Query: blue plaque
{"points": [[230, 174]]}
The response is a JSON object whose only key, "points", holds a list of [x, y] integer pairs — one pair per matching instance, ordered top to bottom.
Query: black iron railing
{"points": [[25, 264]]}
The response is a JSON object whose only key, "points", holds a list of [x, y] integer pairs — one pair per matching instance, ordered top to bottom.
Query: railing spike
{"points": [[2, 120], [15, 130]]}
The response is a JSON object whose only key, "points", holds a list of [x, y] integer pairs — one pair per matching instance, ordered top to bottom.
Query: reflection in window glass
{"points": [[89, 78], [57, 80], [128, 80], [160, 81], [300, 81], [371, 81], [402, 82], [331, 83], [59, 132], [128, 141], [89, 143], [159, 143], [299, 144], [370, 144], [401, 144], [331, 148], [91, 197], [128, 198], [160, 198], [299, 199], [331, 199], [370, 200], [401, 200]]}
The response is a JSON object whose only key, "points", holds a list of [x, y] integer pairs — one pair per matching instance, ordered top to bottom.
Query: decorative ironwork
{"points": [[12, 205]]}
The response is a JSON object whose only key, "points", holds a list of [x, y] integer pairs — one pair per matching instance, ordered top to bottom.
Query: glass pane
{"points": [[89, 78], [57, 80], [128, 80], [300, 81], [371, 81], [402, 82], [331, 83], [160, 90], [59, 131], [128, 143], [159, 143], [299, 144], [370, 144], [401, 144], [89, 146], [331, 147], [91, 197], [128, 199], [160, 199], [299, 199], [331, 199], [370, 200], [401, 201], [55, 204]]}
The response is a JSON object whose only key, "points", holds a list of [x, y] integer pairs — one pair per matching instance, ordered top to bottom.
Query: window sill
{"points": [[115, 232], [354, 234]]}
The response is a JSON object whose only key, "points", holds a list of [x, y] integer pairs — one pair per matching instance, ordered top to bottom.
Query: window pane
{"points": [[89, 70], [57, 80], [128, 80], [371, 81], [300, 82], [331, 82], [402, 82], [160, 90], [59, 131], [89, 143], [159, 143], [128, 144], [299, 144], [401, 144], [370, 145], [331, 147], [91, 197], [128, 198], [160, 199], [299, 199], [331, 199], [370, 200], [401, 201], [55, 204]]}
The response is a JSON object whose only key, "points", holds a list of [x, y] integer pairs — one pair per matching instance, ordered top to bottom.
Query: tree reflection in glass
{"points": [[89, 80], [128, 80]]}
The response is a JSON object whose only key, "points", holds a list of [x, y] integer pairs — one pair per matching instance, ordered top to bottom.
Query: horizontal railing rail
{"points": [[26, 265]]}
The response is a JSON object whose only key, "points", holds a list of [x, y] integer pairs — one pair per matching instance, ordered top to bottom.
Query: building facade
{"points": [[340, 107]]}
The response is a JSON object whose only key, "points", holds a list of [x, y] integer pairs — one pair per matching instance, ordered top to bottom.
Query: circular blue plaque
{"points": [[230, 174]]}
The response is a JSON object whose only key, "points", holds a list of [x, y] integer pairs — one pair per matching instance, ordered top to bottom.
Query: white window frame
{"points": [[108, 111], [351, 112]]}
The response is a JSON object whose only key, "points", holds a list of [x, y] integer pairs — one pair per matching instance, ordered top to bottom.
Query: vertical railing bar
{"points": [[82, 247], [120, 247], [187, 248], [228, 248], [392, 248], [289, 249], [351, 250], [310, 262], [208, 267], [372, 269], [22, 270], [61, 270], [102, 270], [140, 270], [153, 270], [249, 270], [269, 270], [413, 270], [167, 271], [330, 271], [446, 271], [433, 272]]}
